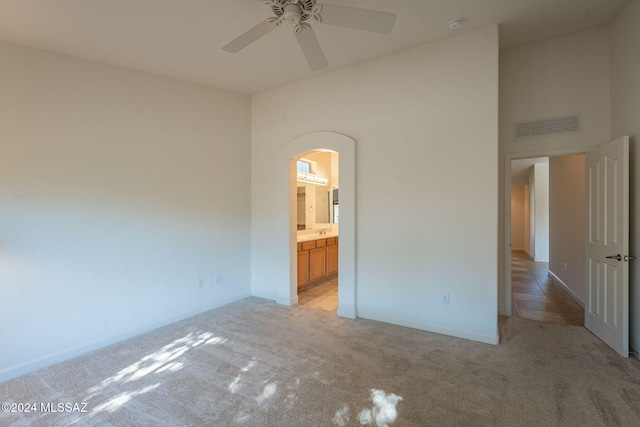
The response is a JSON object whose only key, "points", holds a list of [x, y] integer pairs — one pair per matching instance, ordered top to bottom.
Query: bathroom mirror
{"points": [[317, 190], [316, 206]]}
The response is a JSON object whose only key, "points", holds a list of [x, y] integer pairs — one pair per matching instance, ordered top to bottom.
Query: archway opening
{"points": [[290, 152], [317, 228]]}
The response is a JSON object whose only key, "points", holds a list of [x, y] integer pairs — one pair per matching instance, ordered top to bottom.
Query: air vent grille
{"points": [[553, 126]]}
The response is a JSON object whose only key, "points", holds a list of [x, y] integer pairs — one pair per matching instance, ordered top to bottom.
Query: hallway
{"points": [[535, 296]]}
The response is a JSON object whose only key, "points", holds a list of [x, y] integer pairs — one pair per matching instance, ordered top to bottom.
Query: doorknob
{"points": [[618, 257]]}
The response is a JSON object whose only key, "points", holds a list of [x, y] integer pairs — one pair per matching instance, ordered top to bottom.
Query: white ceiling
{"points": [[182, 38]]}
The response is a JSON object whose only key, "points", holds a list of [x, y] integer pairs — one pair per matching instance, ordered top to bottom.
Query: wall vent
{"points": [[553, 126]]}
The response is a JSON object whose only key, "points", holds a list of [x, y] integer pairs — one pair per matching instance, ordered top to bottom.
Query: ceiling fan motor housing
{"points": [[292, 10], [292, 14]]}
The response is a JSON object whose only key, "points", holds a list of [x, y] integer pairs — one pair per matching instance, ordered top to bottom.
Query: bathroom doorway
{"points": [[317, 228], [287, 292]]}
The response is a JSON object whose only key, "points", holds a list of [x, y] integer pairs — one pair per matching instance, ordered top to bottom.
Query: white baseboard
{"points": [[566, 288], [287, 301], [487, 339]]}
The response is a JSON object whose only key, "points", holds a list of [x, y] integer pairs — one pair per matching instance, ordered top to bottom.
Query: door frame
{"points": [[345, 146], [504, 285]]}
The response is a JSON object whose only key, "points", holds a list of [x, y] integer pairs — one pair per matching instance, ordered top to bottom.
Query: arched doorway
{"points": [[346, 148], [318, 228]]}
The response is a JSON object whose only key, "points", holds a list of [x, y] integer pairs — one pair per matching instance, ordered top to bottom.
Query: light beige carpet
{"points": [[256, 363]]}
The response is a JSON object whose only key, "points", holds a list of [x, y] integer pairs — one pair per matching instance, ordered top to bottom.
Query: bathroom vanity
{"points": [[317, 258]]}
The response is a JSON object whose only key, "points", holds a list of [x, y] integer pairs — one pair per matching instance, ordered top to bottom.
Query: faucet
{"points": [[323, 231]]}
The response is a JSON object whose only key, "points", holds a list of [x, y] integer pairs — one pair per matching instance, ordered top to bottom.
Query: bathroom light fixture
{"points": [[312, 178]]}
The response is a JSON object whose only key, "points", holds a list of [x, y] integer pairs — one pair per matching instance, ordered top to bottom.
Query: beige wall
{"points": [[556, 77], [625, 120], [425, 122], [323, 163], [114, 203], [518, 218], [527, 221], [540, 223], [567, 223]]}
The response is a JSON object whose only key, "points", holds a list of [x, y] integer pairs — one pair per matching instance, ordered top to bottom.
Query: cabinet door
{"points": [[332, 259], [317, 264], [303, 268]]}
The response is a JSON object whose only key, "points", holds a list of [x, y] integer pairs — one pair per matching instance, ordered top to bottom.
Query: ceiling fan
{"points": [[299, 12]]}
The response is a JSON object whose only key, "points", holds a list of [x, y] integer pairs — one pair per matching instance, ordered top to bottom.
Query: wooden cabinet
{"points": [[308, 245], [317, 259], [332, 259], [317, 263], [303, 267]]}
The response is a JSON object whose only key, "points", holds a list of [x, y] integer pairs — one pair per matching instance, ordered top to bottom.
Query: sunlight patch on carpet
{"points": [[168, 359], [158, 361], [235, 384], [268, 392], [116, 402], [384, 410], [341, 418]]}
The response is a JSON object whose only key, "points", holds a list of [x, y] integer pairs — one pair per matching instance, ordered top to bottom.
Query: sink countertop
{"points": [[315, 236]]}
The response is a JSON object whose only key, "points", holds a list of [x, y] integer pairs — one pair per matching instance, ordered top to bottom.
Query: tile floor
{"points": [[534, 295], [323, 296]]}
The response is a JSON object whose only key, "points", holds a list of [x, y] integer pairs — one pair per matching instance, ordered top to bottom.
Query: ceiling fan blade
{"points": [[354, 17], [244, 40], [311, 48]]}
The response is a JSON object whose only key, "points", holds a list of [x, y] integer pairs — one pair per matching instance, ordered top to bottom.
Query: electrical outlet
{"points": [[218, 279], [201, 283], [444, 299]]}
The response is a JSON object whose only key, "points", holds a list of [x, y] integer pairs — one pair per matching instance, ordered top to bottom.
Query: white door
{"points": [[607, 293]]}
